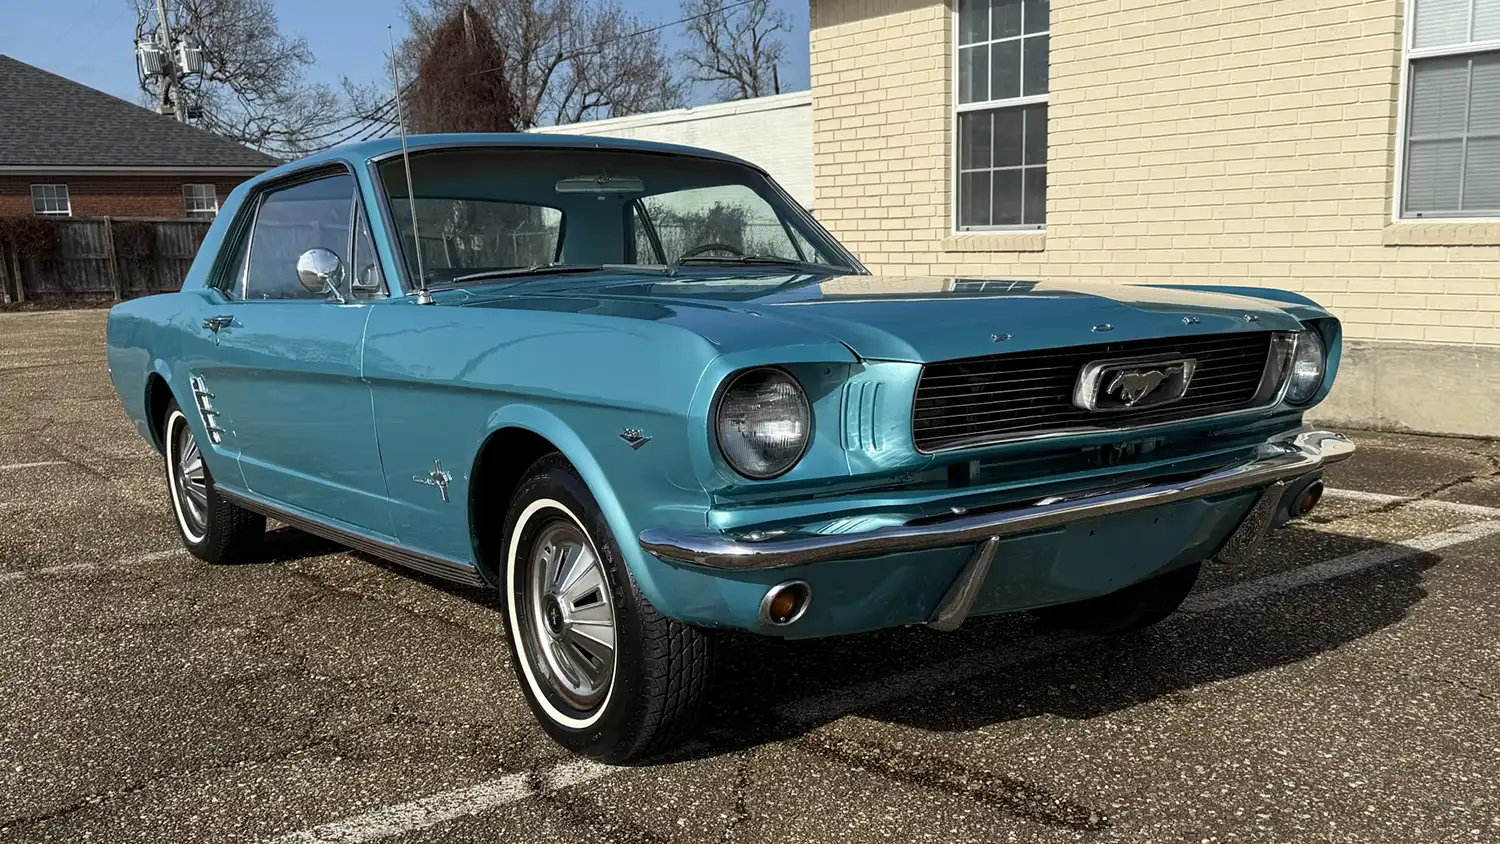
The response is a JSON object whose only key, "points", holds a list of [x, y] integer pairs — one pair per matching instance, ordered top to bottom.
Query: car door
{"points": [[285, 373]]}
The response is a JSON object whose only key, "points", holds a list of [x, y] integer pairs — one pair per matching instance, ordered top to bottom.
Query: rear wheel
{"points": [[212, 529], [1132, 608], [605, 673]]}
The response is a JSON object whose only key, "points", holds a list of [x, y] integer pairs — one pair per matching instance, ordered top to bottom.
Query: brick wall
{"points": [[1218, 141], [1232, 141], [112, 196]]}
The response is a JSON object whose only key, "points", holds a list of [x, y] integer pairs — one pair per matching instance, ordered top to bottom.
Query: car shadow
{"points": [[763, 685], [764, 699]]}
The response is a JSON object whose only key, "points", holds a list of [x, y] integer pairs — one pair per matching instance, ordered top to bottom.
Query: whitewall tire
{"points": [[605, 674]]}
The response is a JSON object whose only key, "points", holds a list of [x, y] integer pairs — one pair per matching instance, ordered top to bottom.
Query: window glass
{"points": [[1003, 81], [1453, 137], [1002, 179], [50, 200], [201, 201], [492, 208], [731, 215], [291, 221], [474, 234], [645, 250], [367, 281]]}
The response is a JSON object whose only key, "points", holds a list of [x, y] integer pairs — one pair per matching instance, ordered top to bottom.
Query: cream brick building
{"points": [[1215, 141]]}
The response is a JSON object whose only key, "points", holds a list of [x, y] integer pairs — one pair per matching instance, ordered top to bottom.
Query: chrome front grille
{"points": [[974, 401]]}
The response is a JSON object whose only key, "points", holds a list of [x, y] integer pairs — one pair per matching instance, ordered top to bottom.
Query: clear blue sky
{"points": [[90, 41]]}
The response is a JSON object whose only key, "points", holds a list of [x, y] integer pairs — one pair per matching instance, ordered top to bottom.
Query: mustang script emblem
{"points": [[1132, 385]]}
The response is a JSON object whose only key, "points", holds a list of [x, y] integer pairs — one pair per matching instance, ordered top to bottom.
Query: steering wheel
{"points": [[711, 247]]}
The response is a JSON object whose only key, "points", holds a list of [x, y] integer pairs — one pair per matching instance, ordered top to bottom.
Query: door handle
{"points": [[214, 323]]}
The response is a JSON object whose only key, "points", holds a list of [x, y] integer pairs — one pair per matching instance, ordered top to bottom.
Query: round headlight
{"points": [[1308, 361], [763, 423]]}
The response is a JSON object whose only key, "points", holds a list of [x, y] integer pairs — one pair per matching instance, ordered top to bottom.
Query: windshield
{"points": [[491, 209]]}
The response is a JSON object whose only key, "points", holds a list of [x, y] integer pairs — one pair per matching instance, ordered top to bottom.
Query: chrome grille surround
{"points": [[993, 399]]}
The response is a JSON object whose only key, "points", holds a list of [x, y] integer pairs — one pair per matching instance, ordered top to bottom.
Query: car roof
{"points": [[364, 151]]}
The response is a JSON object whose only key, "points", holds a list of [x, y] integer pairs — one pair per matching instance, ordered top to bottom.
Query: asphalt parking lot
{"points": [[1342, 687]]}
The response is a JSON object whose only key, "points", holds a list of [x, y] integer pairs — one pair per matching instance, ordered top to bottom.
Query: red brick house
{"points": [[69, 150]]}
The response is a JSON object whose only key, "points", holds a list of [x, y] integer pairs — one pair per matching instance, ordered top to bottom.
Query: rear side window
{"points": [[290, 221]]}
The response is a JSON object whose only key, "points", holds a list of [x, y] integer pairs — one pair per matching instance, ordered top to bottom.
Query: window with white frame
{"points": [[1001, 109], [1451, 163], [51, 200], [202, 201]]}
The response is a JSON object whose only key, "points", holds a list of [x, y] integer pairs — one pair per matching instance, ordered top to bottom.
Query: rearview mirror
{"points": [[602, 183], [321, 272]]}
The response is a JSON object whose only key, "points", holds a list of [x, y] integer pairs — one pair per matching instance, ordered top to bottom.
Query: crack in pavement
{"points": [[1011, 794], [100, 798]]}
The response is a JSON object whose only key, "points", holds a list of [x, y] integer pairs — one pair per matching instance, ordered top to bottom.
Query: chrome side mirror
{"points": [[321, 272]]}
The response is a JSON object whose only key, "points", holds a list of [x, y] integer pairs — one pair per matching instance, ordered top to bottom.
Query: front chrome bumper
{"points": [[1282, 458]]}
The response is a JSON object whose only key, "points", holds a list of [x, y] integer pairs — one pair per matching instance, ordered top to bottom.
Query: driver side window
{"points": [[290, 221]]}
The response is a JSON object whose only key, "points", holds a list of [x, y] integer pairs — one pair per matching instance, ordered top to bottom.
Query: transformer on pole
{"points": [[164, 62]]}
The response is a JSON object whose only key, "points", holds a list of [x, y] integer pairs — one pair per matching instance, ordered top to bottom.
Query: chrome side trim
{"points": [[204, 400], [1286, 456], [425, 563], [954, 608]]}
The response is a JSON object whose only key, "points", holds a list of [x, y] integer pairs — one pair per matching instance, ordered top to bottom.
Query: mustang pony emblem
{"points": [[1132, 385]]}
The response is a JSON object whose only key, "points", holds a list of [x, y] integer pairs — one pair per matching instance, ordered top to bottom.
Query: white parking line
{"points": [[38, 465], [1432, 503], [1348, 564], [73, 568], [450, 805], [446, 806]]}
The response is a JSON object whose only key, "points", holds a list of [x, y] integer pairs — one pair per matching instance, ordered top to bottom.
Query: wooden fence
{"points": [[92, 263]]}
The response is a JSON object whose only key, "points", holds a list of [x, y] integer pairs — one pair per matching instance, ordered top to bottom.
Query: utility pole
{"points": [[164, 33], [163, 62]]}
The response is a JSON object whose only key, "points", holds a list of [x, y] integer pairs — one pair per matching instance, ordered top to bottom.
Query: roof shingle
{"points": [[49, 121]]}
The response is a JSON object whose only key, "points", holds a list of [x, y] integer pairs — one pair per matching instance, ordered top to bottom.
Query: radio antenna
{"points": [[423, 296]]}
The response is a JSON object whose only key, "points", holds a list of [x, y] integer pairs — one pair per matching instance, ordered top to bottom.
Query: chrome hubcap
{"points": [[191, 480], [572, 621]]}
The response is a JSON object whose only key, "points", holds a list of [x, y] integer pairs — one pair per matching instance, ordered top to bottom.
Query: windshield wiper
{"points": [[761, 260], [534, 269]]}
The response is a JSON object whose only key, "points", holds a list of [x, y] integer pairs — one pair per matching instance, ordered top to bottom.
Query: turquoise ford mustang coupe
{"points": [[644, 396]]}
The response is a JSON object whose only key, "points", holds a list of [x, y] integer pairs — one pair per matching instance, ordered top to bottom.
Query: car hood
{"points": [[906, 318]]}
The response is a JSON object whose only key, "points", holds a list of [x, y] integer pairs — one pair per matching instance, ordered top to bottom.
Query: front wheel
{"points": [[213, 529], [1132, 608], [605, 673]]}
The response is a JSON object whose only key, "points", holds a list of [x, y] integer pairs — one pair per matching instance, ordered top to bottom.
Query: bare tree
{"points": [[735, 46], [566, 60], [461, 81], [253, 86]]}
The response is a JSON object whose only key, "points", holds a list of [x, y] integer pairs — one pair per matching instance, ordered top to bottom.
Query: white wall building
{"points": [[773, 132]]}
